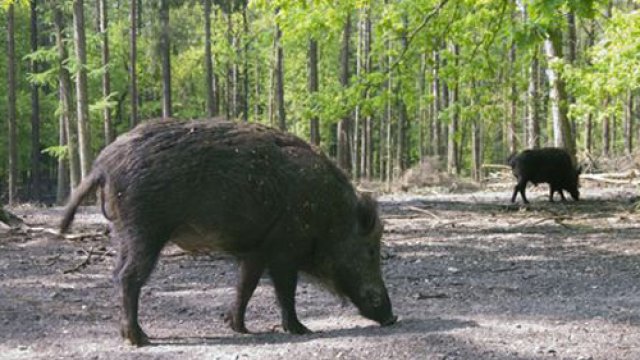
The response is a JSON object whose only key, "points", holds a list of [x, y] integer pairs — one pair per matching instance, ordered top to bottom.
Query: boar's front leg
{"points": [[520, 187], [515, 193], [562, 195], [251, 268], [285, 280]]}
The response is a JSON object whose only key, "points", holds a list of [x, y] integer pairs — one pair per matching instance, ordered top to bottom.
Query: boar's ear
{"points": [[367, 214]]}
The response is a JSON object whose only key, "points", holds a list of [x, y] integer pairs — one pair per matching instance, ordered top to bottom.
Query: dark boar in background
{"points": [[547, 165], [264, 196]]}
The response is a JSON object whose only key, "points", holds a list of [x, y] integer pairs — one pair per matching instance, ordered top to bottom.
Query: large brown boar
{"points": [[262, 195]]}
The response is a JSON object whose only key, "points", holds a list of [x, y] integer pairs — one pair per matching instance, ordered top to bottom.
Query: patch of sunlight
{"points": [[528, 258], [86, 281]]}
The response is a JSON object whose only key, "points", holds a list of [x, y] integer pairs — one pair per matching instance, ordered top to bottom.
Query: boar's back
{"points": [[217, 185]]}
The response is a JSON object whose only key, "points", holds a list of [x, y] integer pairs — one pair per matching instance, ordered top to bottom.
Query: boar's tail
{"points": [[89, 183]]}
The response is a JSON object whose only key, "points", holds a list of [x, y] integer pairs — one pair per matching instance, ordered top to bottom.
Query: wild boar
{"points": [[548, 165], [264, 196]]}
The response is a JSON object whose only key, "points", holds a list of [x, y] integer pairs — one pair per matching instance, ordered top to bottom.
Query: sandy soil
{"points": [[470, 276]]}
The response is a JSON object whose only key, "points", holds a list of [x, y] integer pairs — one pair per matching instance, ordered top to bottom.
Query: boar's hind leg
{"points": [[136, 261], [251, 268], [285, 280]]}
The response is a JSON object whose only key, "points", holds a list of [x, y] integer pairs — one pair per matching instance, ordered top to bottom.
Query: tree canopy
{"points": [[424, 77]]}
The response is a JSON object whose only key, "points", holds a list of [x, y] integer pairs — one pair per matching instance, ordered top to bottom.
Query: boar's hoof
{"points": [[390, 321], [235, 323], [295, 327], [135, 335]]}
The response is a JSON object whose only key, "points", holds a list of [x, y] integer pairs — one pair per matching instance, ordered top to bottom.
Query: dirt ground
{"points": [[470, 276]]}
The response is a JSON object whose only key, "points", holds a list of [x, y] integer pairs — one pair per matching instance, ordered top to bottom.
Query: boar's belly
{"points": [[196, 238]]}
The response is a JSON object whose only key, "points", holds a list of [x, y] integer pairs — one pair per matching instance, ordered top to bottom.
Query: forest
{"points": [[378, 85], [420, 103]]}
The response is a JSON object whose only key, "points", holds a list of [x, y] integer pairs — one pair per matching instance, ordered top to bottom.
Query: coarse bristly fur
{"points": [[547, 165], [265, 196]]}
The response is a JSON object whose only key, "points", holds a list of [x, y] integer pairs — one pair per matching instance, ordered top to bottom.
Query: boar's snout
{"points": [[376, 306]]}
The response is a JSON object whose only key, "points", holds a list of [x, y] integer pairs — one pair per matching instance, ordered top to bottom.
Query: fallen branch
{"points": [[495, 166], [631, 174], [606, 179], [424, 211], [9, 218], [558, 219], [4, 227], [56, 232], [53, 260], [86, 262], [504, 269], [423, 296]]}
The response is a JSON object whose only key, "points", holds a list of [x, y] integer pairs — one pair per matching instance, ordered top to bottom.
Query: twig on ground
{"points": [[626, 177], [424, 211], [558, 219], [56, 232], [53, 260], [86, 262], [505, 269], [423, 296]]}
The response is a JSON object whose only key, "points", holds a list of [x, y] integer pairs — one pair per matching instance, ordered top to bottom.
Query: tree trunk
{"points": [[572, 43], [165, 53], [133, 55], [208, 61], [245, 67], [106, 78], [230, 78], [279, 78], [64, 80], [272, 81], [312, 87], [558, 96], [82, 99], [513, 103], [444, 105], [257, 106], [422, 108], [11, 109], [35, 111], [435, 112], [388, 118], [357, 121], [532, 121], [628, 125], [345, 126], [606, 130], [367, 131], [588, 133], [614, 133], [389, 136], [476, 140], [452, 146], [476, 153], [402, 154], [63, 175]]}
